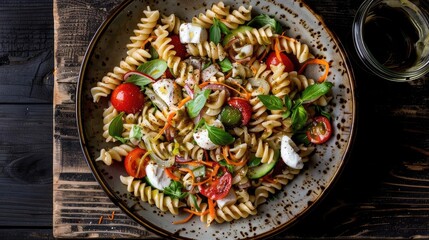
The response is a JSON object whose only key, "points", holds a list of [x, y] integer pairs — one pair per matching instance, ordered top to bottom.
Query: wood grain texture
{"points": [[383, 192]]}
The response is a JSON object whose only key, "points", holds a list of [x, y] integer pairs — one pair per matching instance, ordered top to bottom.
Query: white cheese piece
{"points": [[192, 33], [209, 72], [167, 91], [201, 137], [288, 154], [157, 177], [229, 199]]}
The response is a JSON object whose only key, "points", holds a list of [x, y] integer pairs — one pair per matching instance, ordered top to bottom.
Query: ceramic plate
{"points": [[108, 47]]}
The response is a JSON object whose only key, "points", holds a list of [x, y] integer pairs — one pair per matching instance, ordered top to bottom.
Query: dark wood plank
{"points": [[26, 163]]}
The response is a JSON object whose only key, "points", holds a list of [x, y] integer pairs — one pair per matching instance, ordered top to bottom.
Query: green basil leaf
{"points": [[263, 20], [223, 28], [215, 33], [153, 53], [206, 64], [225, 65], [154, 68], [138, 80], [315, 91], [271, 102], [288, 102], [195, 105], [286, 114], [299, 117], [199, 124], [116, 126], [136, 132], [219, 136], [301, 138], [254, 161], [229, 167], [174, 190], [194, 201]]}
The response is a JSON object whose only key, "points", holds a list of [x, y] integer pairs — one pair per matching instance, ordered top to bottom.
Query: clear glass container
{"points": [[391, 38]]}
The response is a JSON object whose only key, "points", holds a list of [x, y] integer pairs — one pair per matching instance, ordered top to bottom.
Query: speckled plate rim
{"points": [[147, 224]]}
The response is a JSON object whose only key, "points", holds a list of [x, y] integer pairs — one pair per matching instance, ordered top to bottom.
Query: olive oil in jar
{"points": [[391, 37]]}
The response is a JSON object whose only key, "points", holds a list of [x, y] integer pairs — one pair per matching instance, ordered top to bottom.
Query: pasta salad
{"points": [[212, 117]]}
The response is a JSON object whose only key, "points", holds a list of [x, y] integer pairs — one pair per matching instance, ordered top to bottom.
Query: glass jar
{"points": [[391, 38]]}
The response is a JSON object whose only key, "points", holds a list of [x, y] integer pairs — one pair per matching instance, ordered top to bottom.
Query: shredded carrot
{"points": [[288, 38], [147, 40], [277, 50], [319, 62], [228, 75], [203, 84], [246, 94], [184, 101], [167, 125], [225, 154], [191, 163], [215, 170], [189, 171], [170, 174], [268, 178], [201, 183], [211, 208], [195, 212], [112, 216], [100, 220], [184, 220]]}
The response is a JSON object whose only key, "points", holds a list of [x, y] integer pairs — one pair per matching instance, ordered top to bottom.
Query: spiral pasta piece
{"points": [[219, 11], [238, 17], [172, 22], [144, 28], [262, 36], [207, 49], [298, 49], [280, 84], [108, 115], [265, 152], [114, 153], [152, 196], [232, 212]]}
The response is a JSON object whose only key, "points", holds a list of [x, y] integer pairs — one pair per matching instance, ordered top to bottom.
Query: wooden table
{"points": [[383, 192]]}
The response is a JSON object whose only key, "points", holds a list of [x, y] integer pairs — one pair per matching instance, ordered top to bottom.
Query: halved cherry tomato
{"points": [[178, 46], [273, 60], [168, 74], [128, 98], [244, 106], [320, 130], [134, 165], [219, 187]]}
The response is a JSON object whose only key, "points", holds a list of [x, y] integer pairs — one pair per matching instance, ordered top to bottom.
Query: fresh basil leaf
{"points": [[263, 20], [223, 28], [215, 33], [153, 53], [206, 64], [225, 65], [154, 68], [138, 80], [315, 91], [271, 102], [288, 102], [195, 105], [320, 111], [286, 114], [299, 117], [199, 124], [116, 126], [136, 132], [219, 136], [301, 138], [254, 161], [229, 167], [174, 190], [194, 201]]}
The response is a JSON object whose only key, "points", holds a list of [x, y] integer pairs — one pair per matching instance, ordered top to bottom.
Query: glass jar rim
{"points": [[368, 59]]}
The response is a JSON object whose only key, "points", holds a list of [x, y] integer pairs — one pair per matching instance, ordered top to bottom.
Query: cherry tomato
{"points": [[178, 46], [273, 60], [168, 74], [128, 98], [244, 106], [320, 130], [134, 165], [218, 188]]}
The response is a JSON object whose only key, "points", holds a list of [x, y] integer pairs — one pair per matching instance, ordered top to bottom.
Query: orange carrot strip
{"points": [[277, 50], [319, 62], [203, 84], [184, 101], [167, 125], [225, 150], [191, 163], [215, 170], [189, 171], [170, 174], [267, 178], [201, 183], [211, 208], [195, 212], [184, 220]]}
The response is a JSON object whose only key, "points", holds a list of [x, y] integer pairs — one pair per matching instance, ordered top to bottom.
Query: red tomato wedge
{"points": [[178, 46], [273, 60], [127, 98], [244, 106], [320, 130], [134, 164], [218, 188]]}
